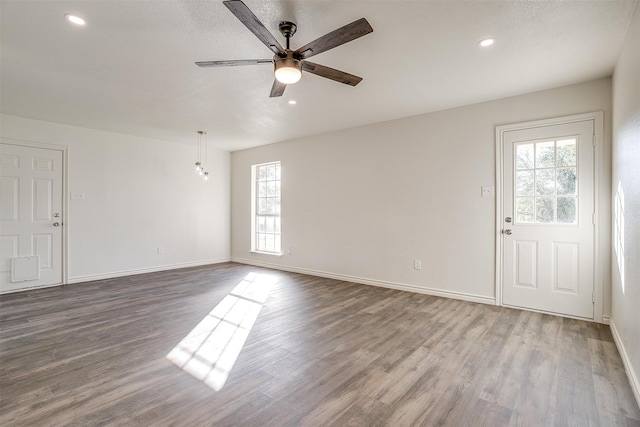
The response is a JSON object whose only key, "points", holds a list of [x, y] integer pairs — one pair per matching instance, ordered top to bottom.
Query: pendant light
{"points": [[202, 158], [199, 168]]}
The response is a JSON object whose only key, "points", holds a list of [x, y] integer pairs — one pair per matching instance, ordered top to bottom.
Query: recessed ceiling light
{"points": [[74, 19], [486, 42], [293, 102]]}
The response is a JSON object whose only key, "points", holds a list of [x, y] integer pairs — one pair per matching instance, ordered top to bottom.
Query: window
{"points": [[546, 182], [265, 207]]}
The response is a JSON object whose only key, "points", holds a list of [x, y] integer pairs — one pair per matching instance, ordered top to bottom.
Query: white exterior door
{"points": [[30, 217], [548, 218]]}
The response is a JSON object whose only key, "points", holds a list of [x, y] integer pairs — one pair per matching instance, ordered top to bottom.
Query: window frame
{"points": [[534, 196], [255, 214]]}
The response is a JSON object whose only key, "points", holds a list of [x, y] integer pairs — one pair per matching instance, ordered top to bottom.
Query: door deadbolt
{"points": [[507, 219]]}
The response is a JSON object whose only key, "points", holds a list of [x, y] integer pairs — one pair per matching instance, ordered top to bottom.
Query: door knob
{"points": [[56, 224], [507, 232]]}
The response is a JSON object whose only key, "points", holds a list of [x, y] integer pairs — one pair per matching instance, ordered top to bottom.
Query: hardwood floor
{"points": [[320, 353]]}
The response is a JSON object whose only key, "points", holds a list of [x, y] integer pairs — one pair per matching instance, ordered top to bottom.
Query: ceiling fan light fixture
{"points": [[288, 63], [288, 70]]}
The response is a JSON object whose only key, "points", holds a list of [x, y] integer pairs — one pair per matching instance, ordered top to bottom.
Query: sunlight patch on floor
{"points": [[210, 350]]}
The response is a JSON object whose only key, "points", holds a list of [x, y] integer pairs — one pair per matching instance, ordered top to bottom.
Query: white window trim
{"points": [[254, 207], [253, 251]]}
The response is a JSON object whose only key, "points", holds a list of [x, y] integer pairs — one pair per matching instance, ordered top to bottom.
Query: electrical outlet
{"points": [[290, 250], [159, 251], [417, 264]]}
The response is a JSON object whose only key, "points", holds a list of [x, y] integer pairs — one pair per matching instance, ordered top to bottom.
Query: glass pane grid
{"points": [[545, 179], [267, 221]]}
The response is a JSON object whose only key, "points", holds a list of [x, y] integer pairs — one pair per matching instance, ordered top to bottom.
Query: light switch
{"points": [[487, 191], [77, 196]]}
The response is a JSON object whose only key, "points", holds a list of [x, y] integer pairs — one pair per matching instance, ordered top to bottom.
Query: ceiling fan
{"points": [[289, 63]]}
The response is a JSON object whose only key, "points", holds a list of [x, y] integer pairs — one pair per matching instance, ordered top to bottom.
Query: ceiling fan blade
{"points": [[244, 14], [335, 38], [233, 62], [331, 73], [277, 89]]}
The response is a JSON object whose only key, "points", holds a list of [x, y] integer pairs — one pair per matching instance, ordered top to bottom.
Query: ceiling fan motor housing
{"points": [[288, 28]]}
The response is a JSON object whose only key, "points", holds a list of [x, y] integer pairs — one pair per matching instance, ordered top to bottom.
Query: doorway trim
{"points": [[65, 205], [599, 227]]}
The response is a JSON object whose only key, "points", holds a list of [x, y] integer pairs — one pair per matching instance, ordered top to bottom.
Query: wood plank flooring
{"points": [[320, 353]]}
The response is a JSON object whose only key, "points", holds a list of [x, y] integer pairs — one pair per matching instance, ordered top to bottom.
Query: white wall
{"points": [[141, 194], [364, 203], [625, 310]]}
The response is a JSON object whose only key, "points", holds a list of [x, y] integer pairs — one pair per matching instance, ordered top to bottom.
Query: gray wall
{"points": [[141, 194], [363, 203], [625, 309]]}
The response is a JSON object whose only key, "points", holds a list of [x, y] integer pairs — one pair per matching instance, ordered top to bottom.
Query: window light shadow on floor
{"points": [[210, 350]]}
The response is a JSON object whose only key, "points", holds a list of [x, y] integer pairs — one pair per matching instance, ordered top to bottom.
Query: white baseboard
{"points": [[112, 275], [372, 282], [29, 288], [606, 320], [631, 373]]}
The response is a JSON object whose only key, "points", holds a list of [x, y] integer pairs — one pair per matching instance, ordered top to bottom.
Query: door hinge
{"points": [[593, 219]]}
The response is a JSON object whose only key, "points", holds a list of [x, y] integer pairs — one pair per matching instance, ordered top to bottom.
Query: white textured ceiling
{"points": [[131, 69]]}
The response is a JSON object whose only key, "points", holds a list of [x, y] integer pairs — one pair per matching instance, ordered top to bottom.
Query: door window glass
{"points": [[545, 176]]}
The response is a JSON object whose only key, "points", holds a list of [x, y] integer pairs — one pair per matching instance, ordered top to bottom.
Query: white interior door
{"points": [[30, 217], [548, 223]]}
